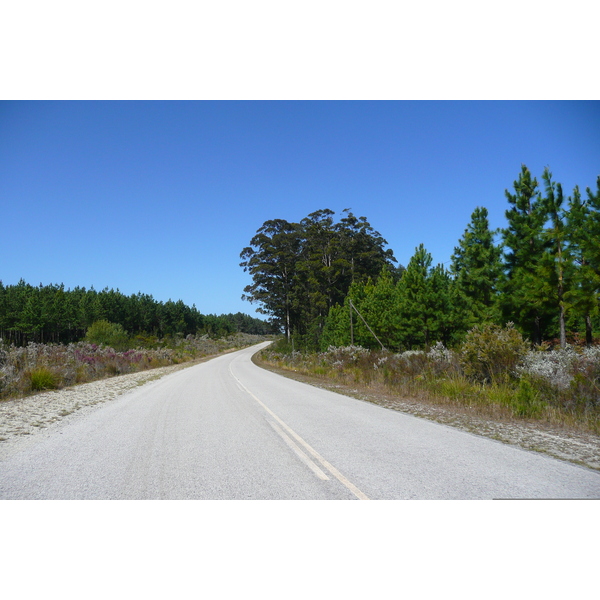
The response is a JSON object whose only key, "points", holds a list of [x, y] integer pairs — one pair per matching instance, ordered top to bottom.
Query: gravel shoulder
{"points": [[577, 448]]}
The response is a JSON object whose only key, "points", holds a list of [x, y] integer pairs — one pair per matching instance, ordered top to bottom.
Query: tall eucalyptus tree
{"points": [[272, 261]]}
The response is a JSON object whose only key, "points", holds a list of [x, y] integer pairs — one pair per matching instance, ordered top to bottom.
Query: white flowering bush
{"points": [[410, 353], [440, 353], [345, 354], [555, 367], [560, 367]]}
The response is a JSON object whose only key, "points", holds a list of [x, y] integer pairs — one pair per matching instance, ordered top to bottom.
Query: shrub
{"points": [[107, 334], [491, 353], [554, 366], [568, 378], [43, 379], [526, 402]]}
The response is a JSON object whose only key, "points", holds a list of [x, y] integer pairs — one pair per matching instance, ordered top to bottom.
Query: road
{"points": [[226, 429]]}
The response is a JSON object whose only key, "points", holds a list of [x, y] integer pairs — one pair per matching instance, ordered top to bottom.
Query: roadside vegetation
{"points": [[107, 351], [493, 374]]}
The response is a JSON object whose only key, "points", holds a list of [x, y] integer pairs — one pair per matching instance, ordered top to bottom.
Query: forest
{"points": [[326, 283], [53, 314]]}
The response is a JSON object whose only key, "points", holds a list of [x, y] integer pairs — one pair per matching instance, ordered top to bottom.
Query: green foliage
{"points": [[271, 260], [477, 269], [301, 270], [555, 270], [414, 294], [582, 294], [523, 299], [423, 307], [51, 314], [107, 334], [491, 353], [43, 379], [527, 403]]}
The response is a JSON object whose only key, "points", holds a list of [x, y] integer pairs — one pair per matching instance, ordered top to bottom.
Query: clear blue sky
{"points": [[161, 197]]}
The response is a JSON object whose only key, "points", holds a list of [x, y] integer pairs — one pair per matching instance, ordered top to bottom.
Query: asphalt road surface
{"points": [[226, 429]]}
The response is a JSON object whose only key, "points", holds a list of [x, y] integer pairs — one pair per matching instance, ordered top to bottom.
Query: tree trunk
{"points": [[538, 331], [563, 333], [589, 337]]}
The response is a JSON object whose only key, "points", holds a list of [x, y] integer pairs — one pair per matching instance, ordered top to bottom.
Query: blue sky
{"points": [[161, 197]]}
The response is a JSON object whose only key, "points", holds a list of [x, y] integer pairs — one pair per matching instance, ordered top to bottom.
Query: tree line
{"points": [[334, 284], [53, 314]]}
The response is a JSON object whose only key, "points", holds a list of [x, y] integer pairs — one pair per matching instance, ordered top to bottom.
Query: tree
{"points": [[582, 233], [592, 245], [363, 251], [271, 259], [476, 267], [554, 269], [301, 270], [320, 271], [580, 296], [413, 297], [523, 300], [448, 308], [52, 314], [107, 334]]}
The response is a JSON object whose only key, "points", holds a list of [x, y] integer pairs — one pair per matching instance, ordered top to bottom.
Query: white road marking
{"points": [[309, 463], [358, 493]]}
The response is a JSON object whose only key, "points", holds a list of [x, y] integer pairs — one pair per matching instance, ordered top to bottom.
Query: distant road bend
{"points": [[227, 429]]}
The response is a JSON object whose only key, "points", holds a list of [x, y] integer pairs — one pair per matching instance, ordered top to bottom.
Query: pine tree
{"points": [[476, 267], [554, 269], [413, 291], [582, 293], [523, 300], [379, 308], [448, 308]]}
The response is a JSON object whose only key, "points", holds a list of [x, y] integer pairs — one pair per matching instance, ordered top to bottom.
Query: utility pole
{"points": [[351, 325]]}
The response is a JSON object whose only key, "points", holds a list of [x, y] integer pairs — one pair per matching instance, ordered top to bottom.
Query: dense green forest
{"points": [[326, 283], [53, 314]]}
